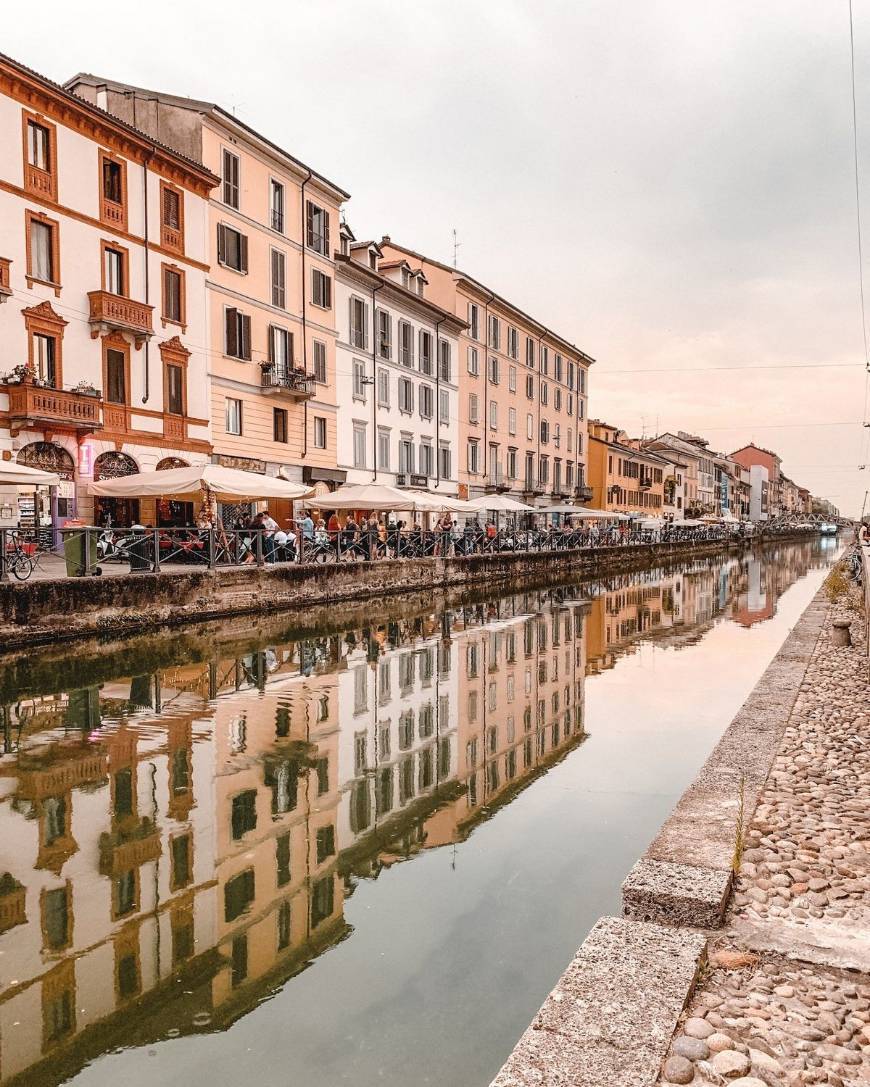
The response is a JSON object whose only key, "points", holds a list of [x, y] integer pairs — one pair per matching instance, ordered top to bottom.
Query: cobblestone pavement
{"points": [[786, 997]]}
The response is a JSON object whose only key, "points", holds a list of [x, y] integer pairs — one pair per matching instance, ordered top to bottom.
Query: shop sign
{"points": [[243, 464]]}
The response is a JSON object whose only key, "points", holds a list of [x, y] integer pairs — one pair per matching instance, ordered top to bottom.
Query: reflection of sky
{"points": [[452, 953]]}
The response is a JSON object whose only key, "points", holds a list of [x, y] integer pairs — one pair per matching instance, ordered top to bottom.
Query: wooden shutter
{"points": [[309, 218], [325, 232], [222, 244], [243, 252], [327, 299], [365, 323], [232, 331], [245, 336]]}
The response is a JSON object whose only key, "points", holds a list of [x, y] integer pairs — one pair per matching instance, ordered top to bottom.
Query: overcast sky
{"points": [[667, 183]]}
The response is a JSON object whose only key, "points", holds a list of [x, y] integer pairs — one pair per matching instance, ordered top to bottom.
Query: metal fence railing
{"points": [[87, 551]]}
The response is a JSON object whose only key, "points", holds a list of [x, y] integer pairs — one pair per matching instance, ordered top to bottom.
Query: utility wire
{"points": [[745, 369]]}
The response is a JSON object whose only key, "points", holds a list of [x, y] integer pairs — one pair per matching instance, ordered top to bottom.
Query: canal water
{"points": [[356, 855]]}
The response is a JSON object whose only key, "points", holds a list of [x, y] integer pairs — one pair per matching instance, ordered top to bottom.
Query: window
{"points": [[40, 156], [230, 176], [113, 191], [276, 205], [171, 217], [317, 220], [232, 248], [42, 250], [114, 270], [278, 278], [321, 289], [173, 295], [474, 321], [358, 323], [494, 332], [238, 334], [385, 334], [406, 343], [513, 343], [280, 348], [44, 349], [530, 351], [425, 352], [444, 360], [545, 360], [473, 361], [320, 362], [557, 367], [493, 370], [570, 375], [116, 377], [512, 379], [581, 380], [359, 382], [383, 388], [174, 389], [544, 391], [406, 395], [557, 399], [426, 400], [580, 405], [443, 406], [493, 415], [233, 416], [473, 416], [512, 420], [279, 425], [530, 427], [319, 432], [545, 432], [557, 434], [359, 445], [383, 448], [473, 456], [406, 457], [427, 459], [444, 462], [512, 463], [544, 469]]}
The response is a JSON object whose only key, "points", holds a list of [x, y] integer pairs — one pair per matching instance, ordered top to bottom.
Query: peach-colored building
{"points": [[273, 227], [522, 392], [625, 476]]}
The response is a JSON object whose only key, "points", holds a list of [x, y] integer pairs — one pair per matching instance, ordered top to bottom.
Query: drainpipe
{"points": [[375, 290], [304, 326], [486, 383], [147, 391], [437, 408]]}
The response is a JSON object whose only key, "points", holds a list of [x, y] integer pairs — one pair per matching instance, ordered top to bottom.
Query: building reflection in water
{"points": [[182, 842]]}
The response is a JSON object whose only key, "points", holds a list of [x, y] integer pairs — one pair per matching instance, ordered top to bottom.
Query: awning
{"points": [[12, 474], [225, 484]]}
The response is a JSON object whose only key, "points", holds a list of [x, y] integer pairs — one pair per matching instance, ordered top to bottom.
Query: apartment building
{"points": [[272, 226], [103, 259], [396, 373], [522, 392], [753, 455], [625, 478]]}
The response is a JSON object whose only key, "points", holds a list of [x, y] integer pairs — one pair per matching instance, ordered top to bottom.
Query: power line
{"points": [[745, 369]]}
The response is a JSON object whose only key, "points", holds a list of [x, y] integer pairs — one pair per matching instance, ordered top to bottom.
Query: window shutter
{"points": [[309, 218], [326, 233], [222, 245], [243, 252], [327, 300], [365, 320], [232, 332], [245, 337]]}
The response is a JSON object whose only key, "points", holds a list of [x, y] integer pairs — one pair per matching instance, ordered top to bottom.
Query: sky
{"points": [[669, 184]]}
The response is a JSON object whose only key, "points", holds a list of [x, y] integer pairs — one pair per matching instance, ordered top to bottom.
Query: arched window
{"points": [[114, 465]]}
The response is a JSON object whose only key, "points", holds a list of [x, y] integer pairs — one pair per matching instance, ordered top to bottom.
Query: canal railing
{"points": [[89, 550]]}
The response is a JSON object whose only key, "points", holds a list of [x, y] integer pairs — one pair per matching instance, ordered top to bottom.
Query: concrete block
{"points": [[676, 894]]}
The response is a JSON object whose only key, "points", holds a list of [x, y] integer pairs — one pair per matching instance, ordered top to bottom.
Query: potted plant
{"points": [[18, 374], [85, 388]]}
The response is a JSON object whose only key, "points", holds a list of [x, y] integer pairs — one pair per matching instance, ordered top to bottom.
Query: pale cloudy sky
{"points": [[668, 183]]}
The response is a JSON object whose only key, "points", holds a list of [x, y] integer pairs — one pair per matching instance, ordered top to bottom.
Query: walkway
{"points": [[786, 996]]}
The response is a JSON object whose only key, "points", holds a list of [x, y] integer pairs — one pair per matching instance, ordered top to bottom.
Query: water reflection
{"points": [[181, 842]]}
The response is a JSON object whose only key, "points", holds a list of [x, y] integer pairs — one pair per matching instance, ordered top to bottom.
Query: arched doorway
{"points": [[45, 507], [115, 511], [172, 514]]}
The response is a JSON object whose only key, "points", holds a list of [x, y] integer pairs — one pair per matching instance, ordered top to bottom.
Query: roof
{"points": [[202, 106], [109, 118], [459, 274], [374, 277], [620, 448], [758, 448]]}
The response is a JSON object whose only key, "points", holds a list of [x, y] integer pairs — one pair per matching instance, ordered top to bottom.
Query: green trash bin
{"points": [[79, 544], [139, 549]]}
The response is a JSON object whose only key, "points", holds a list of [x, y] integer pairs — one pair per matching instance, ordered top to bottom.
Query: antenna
{"points": [[456, 246]]}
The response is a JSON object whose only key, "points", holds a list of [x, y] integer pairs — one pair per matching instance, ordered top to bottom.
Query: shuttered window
{"points": [[230, 179], [317, 224], [232, 248], [278, 278], [321, 289], [238, 334]]}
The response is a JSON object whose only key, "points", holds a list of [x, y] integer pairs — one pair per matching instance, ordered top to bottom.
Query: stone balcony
{"points": [[115, 313], [284, 381], [32, 405], [583, 493]]}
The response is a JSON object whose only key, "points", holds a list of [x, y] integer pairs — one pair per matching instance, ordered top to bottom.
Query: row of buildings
{"points": [[180, 288], [187, 838]]}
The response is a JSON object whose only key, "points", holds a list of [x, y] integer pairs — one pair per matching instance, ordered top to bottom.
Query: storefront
{"points": [[47, 507], [115, 511], [171, 513]]}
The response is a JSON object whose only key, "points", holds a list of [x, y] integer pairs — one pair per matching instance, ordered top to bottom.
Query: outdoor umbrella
{"points": [[12, 474], [190, 483], [365, 496], [432, 502], [500, 503], [585, 512], [688, 522]]}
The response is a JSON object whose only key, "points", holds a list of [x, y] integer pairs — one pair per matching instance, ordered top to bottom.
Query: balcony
{"points": [[5, 279], [115, 313], [293, 383], [33, 405], [412, 479], [496, 481], [645, 483], [533, 487], [583, 493], [122, 850], [13, 897]]}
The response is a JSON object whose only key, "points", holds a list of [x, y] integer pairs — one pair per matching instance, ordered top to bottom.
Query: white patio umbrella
{"points": [[12, 475], [189, 483], [365, 496], [432, 502], [500, 503], [585, 512], [688, 522]]}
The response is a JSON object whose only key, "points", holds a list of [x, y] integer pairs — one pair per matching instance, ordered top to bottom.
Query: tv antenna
{"points": [[456, 247]]}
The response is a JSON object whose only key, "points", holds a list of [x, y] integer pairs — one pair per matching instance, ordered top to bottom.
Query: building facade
{"points": [[273, 224], [103, 259], [397, 374], [522, 392], [750, 455], [625, 479]]}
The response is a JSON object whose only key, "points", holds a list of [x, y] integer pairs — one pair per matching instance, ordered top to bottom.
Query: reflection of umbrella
{"points": [[12, 474], [224, 484], [500, 503]]}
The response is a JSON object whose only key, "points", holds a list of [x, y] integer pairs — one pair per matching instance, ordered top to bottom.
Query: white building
{"points": [[103, 366], [396, 374], [759, 485]]}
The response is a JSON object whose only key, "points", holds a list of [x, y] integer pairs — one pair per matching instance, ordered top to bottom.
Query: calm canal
{"points": [[357, 857]]}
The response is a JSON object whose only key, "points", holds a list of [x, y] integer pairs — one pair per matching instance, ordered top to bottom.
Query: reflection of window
{"points": [[360, 689], [426, 721], [406, 730], [360, 753], [426, 768], [281, 776], [322, 776], [406, 780], [384, 792], [123, 793], [360, 806], [244, 814], [54, 825], [325, 843], [282, 859], [181, 861], [125, 893], [238, 894], [322, 900], [56, 918], [283, 926], [240, 960], [128, 975], [58, 1012]]}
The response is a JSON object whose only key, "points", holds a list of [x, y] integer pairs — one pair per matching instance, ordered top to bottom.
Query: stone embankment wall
{"points": [[39, 612]]}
